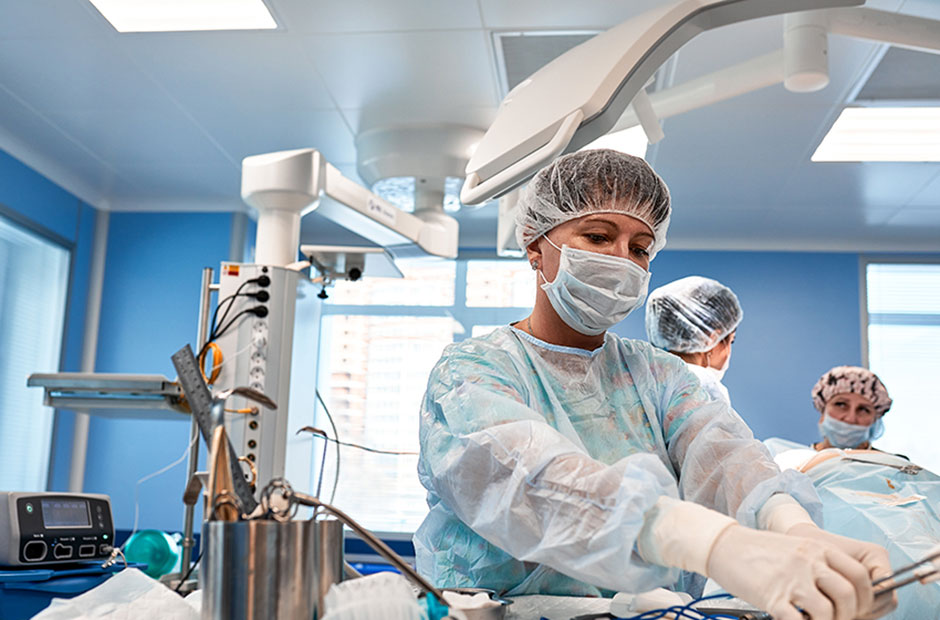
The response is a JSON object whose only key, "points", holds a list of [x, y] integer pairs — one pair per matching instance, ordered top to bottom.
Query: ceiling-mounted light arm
{"points": [[917, 33], [592, 84], [643, 108], [285, 185]]}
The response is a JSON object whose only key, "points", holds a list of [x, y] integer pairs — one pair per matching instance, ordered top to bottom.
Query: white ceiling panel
{"points": [[560, 14], [315, 16], [50, 19], [436, 69], [239, 70], [74, 74], [270, 129], [139, 137], [173, 180], [849, 186], [929, 194], [914, 217]]}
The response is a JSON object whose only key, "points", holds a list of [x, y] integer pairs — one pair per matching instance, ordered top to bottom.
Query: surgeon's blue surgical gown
{"points": [[541, 461]]}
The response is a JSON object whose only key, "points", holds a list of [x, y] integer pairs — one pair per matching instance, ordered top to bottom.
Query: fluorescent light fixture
{"points": [[184, 15], [883, 134], [631, 141]]}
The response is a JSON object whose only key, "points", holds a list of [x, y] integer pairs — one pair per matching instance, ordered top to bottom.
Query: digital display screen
{"points": [[65, 513]]}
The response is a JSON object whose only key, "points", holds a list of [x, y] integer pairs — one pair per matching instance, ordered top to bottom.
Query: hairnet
{"points": [[594, 181], [691, 315], [854, 380]]}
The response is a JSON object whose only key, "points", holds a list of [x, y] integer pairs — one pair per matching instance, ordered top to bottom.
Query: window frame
{"points": [[31, 226], [869, 259]]}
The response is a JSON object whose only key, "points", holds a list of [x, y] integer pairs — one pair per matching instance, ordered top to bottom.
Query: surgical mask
{"points": [[593, 292], [720, 372], [844, 435]]}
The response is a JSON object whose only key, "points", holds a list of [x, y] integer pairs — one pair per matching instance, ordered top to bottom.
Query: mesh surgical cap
{"points": [[594, 181], [691, 315], [854, 380]]}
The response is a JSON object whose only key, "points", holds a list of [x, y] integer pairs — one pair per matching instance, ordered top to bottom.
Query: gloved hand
{"points": [[873, 557], [784, 574]]}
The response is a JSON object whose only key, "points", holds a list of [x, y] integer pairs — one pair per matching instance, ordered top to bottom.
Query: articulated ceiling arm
{"points": [[579, 96], [285, 185]]}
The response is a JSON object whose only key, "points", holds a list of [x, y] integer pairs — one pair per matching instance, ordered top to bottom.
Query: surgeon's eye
{"points": [[597, 238], [641, 252], [841, 404]]}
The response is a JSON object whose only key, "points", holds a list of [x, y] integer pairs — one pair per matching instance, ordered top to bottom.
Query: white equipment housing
{"points": [[258, 351]]}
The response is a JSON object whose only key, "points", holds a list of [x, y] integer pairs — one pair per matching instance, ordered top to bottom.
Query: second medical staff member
{"points": [[696, 318], [851, 401], [562, 459]]}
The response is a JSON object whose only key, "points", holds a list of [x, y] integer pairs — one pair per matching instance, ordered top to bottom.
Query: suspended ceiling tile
{"points": [[561, 14], [308, 16], [50, 19], [231, 69], [434, 69], [74, 74], [903, 74], [270, 129], [130, 137], [32, 139], [172, 181], [856, 185], [929, 194], [914, 217]]}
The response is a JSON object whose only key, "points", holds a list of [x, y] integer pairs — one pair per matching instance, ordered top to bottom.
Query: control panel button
{"points": [[35, 551]]}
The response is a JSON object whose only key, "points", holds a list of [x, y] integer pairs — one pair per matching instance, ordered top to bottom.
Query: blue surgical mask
{"points": [[592, 292], [844, 435]]}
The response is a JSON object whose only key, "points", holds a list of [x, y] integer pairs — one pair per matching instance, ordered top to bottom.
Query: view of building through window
{"points": [[379, 340], [903, 340]]}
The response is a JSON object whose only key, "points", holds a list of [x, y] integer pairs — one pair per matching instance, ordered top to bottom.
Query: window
{"points": [[33, 286], [379, 339], [903, 343]]}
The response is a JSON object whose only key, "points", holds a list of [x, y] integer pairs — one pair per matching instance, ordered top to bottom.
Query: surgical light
{"points": [[185, 15], [910, 134], [631, 141]]}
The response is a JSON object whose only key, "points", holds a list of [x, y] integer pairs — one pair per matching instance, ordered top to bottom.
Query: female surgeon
{"points": [[696, 318], [851, 402], [562, 459]]}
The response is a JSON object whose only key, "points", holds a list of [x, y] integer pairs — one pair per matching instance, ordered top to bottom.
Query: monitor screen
{"points": [[65, 513]]}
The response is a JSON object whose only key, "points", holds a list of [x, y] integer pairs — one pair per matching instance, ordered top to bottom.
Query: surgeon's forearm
{"points": [[781, 513], [680, 534]]}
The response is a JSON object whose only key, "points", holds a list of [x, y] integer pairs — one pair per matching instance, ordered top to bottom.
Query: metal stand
{"points": [[202, 335]]}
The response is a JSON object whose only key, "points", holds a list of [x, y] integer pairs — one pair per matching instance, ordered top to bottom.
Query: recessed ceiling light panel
{"points": [[185, 15], [883, 134]]}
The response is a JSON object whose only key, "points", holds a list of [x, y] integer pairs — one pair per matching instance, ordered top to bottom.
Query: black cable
{"points": [[231, 300], [260, 311], [316, 432], [335, 434], [189, 570]]}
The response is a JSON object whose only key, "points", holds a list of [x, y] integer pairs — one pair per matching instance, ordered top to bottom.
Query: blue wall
{"points": [[38, 202], [149, 309], [801, 317]]}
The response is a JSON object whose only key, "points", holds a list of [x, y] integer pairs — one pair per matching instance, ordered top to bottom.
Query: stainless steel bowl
{"points": [[489, 613]]}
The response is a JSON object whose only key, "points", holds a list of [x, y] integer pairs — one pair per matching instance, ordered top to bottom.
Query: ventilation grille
{"points": [[520, 54], [903, 75]]}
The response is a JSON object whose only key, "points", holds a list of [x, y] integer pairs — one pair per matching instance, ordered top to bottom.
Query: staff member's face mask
{"points": [[592, 292]]}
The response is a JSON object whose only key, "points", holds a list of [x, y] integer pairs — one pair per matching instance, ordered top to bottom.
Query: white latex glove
{"points": [[873, 557], [784, 574]]}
